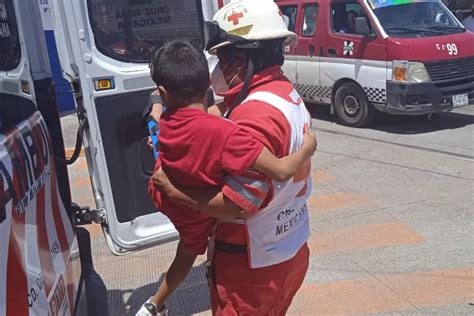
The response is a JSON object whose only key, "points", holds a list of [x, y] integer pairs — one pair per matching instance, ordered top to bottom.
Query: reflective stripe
{"points": [[258, 184], [240, 189]]}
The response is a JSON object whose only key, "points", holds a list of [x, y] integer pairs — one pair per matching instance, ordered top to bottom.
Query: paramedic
{"points": [[259, 260]]}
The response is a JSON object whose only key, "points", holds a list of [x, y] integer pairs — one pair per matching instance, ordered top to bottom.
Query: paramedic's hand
{"points": [[310, 143], [162, 183]]}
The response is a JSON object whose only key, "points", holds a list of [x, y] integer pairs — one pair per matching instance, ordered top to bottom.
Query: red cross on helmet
{"points": [[251, 21]]}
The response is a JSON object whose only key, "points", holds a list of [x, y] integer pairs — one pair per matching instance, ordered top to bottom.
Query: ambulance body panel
{"points": [[359, 64], [45, 259]]}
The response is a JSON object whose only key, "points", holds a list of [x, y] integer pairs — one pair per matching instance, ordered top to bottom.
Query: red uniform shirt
{"points": [[196, 149], [251, 190], [238, 289]]}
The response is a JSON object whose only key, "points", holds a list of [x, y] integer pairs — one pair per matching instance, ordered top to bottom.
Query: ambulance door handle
{"points": [[311, 50], [331, 52]]}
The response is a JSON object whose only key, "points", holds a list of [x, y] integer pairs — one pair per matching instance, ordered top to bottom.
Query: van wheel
{"points": [[352, 107]]}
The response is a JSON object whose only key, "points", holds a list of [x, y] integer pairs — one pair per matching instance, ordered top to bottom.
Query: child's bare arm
{"points": [[283, 169], [210, 201]]}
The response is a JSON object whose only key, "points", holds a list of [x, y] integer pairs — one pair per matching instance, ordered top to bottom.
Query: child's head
{"points": [[181, 73]]}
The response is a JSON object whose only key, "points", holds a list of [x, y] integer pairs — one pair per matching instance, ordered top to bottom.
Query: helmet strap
{"points": [[245, 88]]}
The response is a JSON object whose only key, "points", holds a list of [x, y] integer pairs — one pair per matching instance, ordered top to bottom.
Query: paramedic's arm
{"points": [[285, 168], [210, 201]]}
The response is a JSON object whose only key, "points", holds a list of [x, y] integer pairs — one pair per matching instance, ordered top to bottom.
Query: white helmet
{"points": [[250, 20]]}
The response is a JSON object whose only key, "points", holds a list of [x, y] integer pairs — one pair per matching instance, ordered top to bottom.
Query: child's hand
{"points": [[157, 108], [310, 143], [162, 183]]}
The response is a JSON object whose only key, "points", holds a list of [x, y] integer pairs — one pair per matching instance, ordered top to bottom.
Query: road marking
{"points": [[70, 152], [321, 176], [81, 181], [325, 202], [364, 237], [386, 293]]}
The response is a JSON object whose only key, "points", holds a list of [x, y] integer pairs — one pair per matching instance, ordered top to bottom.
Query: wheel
{"points": [[352, 107]]}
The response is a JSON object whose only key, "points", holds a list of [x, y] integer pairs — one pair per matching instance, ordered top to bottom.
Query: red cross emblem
{"points": [[234, 17]]}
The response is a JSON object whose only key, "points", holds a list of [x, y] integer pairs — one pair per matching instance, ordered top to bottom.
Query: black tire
{"points": [[352, 107]]}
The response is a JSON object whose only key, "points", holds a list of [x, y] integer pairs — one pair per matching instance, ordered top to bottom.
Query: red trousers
{"points": [[238, 290]]}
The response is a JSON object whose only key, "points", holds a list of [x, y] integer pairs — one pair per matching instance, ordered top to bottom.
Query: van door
{"points": [[289, 11], [107, 45], [308, 52], [346, 55], [15, 73]]}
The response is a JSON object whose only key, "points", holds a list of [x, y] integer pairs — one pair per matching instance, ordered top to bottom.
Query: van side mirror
{"points": [[362, 26]]}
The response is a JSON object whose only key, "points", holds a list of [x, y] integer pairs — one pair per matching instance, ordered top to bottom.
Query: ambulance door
{"points": [[289, 11], [107, 46], [308, 52], [348, 55], [16, 84]]}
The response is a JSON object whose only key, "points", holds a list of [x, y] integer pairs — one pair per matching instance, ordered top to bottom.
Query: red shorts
{"points": [[239, 290]]}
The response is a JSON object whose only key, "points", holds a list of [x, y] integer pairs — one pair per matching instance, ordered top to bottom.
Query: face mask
{"points": [[218, 82]]}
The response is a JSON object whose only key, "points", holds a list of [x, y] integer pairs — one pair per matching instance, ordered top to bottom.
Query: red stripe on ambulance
{"points": [[17, 284]]}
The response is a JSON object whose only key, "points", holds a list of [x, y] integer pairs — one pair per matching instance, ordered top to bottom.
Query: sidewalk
{"points": [[392, 231]]}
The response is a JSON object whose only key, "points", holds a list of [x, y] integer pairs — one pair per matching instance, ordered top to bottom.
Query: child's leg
{"points": [[178, 270]]}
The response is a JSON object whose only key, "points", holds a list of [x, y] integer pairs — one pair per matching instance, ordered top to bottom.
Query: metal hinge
{"points": [[86, 216]]}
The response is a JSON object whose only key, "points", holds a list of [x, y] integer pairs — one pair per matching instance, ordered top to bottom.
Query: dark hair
{"points": [[266, 53], [269, 53], [182, 70]]}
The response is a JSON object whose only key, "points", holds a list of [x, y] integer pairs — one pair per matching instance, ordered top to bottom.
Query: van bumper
{"points": [[418, 99]]}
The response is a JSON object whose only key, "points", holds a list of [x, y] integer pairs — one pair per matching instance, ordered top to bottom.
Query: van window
{"points": [[289, 14], [343, 17], [419, 19], [310, 20], [131, 30], [10, 50], [14, 109]]}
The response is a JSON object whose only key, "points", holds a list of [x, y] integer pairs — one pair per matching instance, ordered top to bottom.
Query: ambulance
{"points": [[104, 48], [407, 57]]}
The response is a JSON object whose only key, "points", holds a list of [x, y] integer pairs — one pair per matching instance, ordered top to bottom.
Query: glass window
{"points": [[289, 15], [343, 17], [419, 19], [310, 20], [131, 30], [10, 50]]}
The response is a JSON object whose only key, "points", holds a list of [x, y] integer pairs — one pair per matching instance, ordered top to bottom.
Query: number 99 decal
{"points": [[451, 48]]}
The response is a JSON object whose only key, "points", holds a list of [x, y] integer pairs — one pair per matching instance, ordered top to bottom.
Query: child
{"points": [[197, 149]]}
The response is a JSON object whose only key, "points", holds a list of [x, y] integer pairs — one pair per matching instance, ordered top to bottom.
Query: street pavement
{"points": [[391, 219]]}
